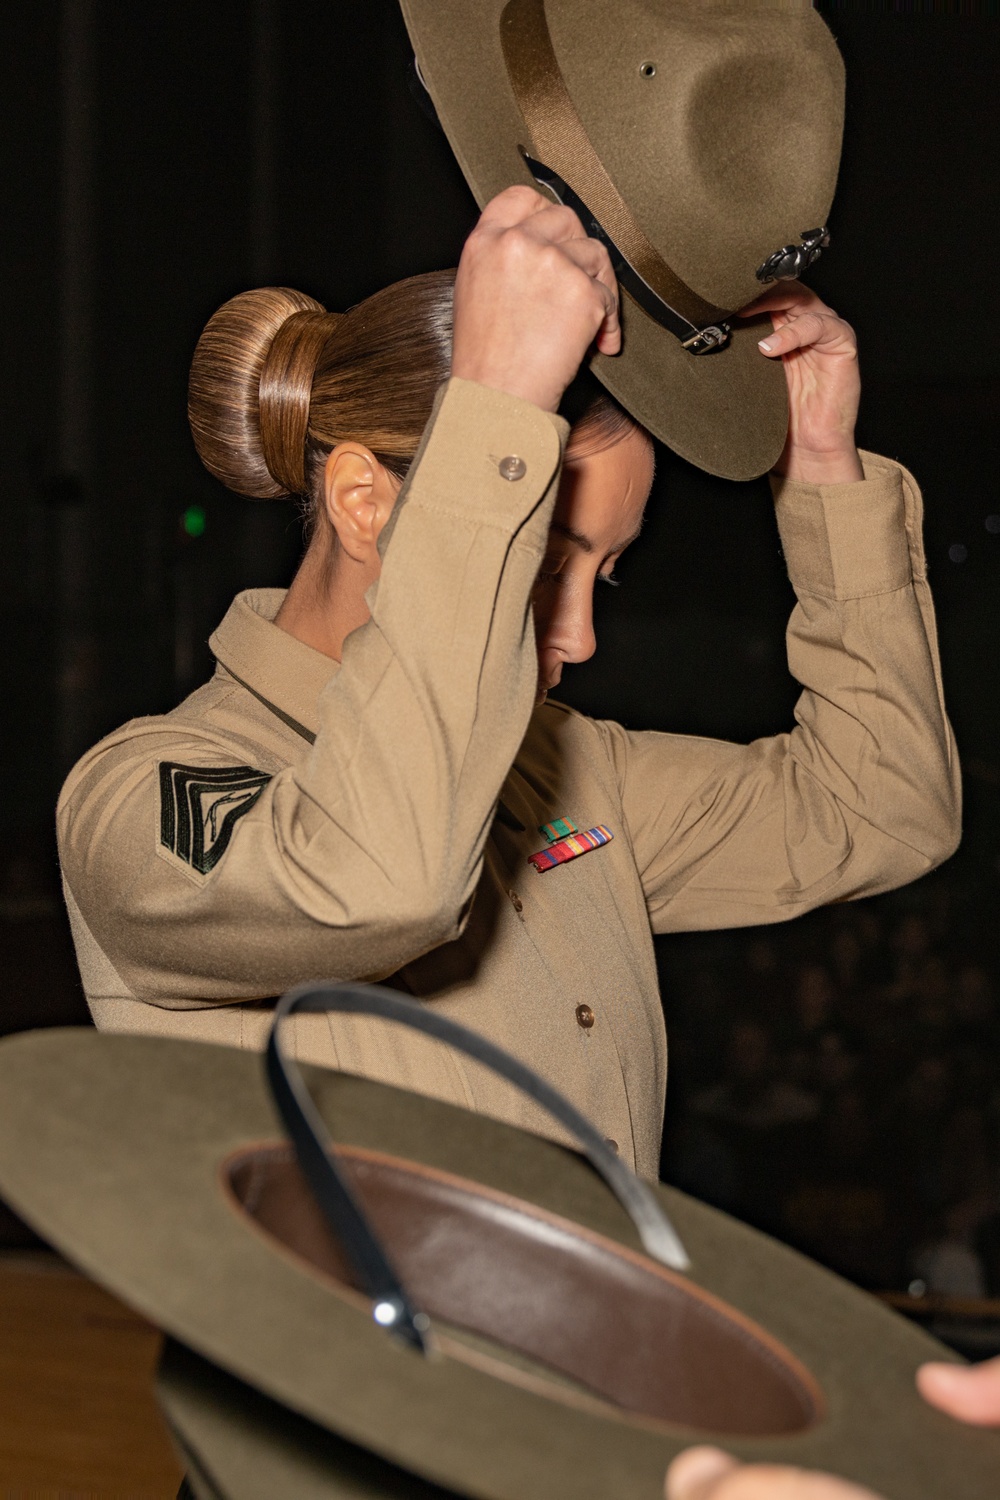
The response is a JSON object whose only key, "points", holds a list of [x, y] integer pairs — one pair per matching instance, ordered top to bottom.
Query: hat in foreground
{"points": [[700, 139], [562, 1360]]}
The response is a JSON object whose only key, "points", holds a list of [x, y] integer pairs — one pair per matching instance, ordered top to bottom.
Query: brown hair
{"points": [[277, 382]]}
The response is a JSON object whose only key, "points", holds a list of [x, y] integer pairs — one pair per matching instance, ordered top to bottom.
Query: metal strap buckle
{"points": [[706, 339]]}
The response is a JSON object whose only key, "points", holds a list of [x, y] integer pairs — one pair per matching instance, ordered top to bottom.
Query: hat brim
{"points": [[727, 411], [113, 1148], [240, 1445]]}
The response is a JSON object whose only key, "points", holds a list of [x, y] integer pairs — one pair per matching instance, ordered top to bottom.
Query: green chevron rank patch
{"points": [[201, 805]]}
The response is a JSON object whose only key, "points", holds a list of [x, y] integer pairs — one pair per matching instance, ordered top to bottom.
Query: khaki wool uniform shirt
{"points": [[297, 819]]}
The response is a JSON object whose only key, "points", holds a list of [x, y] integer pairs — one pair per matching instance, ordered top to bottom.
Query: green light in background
{"points": [[194, 520]]}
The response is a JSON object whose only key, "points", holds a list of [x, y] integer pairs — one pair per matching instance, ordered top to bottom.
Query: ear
{"points": [[358, 496]]}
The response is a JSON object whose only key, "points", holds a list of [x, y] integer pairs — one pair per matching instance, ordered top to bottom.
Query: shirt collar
{"points": [[283, 672]]}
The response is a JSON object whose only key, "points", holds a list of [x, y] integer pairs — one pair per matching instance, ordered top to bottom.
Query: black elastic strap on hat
{"points": [[563, 150], [697, 340], [314, 1147]]}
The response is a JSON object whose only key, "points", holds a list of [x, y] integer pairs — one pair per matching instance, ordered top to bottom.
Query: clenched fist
{"points": [[533, 292]]}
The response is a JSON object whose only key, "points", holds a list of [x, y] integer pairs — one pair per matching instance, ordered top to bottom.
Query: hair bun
{"points": [[248, 395]]}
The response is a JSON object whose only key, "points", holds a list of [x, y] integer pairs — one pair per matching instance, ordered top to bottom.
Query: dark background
{"points": [[833, 1079]]}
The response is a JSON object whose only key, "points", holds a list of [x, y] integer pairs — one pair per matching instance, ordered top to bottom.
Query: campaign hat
{"points": [[702, 137], [565, 1360]]}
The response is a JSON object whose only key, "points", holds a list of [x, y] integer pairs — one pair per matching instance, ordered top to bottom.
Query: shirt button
{"points": [[512, 467], [516, 902], [585, 1017]]}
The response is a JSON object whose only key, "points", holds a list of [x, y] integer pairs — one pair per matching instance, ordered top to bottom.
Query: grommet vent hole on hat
{"points": [[647, 70], [606, 1320]]}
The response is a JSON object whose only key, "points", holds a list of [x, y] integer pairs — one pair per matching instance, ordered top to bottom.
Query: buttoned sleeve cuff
{"points": [[485, 457], [851, 541]]}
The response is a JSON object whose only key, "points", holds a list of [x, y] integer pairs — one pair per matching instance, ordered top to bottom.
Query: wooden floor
{"points": [[78, 1418]]}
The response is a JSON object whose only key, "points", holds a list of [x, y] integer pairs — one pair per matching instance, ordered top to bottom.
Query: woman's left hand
{"points": [[820, 355]]}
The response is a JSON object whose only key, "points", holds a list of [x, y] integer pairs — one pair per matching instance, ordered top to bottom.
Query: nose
{"points": [[568, 633], [580, 641]]}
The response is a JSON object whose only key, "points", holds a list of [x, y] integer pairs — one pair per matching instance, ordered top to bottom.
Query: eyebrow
{"points": [[585, 544]]}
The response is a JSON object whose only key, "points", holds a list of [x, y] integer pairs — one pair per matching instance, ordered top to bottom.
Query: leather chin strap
{"points": [[564, 159], [392, 1307]]}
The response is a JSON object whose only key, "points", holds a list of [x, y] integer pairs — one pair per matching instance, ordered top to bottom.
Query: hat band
{"points": [[567, 156]]}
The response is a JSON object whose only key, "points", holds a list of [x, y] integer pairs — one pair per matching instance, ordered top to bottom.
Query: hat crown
{"points": [[720, 125], [710, 133]]}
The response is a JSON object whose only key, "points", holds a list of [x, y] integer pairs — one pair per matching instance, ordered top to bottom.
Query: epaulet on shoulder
{"points": [[553, 705], [570, 719]]}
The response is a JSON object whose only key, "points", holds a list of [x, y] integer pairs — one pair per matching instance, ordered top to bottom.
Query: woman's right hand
{"points": [[532, 294]]}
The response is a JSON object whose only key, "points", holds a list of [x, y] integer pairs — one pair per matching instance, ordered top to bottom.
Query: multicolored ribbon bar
{"points": [[560, 829], [567, 849]]}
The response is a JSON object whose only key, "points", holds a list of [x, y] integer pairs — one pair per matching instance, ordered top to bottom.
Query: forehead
{"points": [[602, 495]]}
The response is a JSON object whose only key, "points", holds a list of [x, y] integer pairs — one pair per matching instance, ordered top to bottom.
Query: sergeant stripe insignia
{"points": [[201, 805], [562, 851]]}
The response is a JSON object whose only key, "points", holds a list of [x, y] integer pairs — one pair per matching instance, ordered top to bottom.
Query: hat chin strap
{"points": [[696, 340], [392, 1307]]}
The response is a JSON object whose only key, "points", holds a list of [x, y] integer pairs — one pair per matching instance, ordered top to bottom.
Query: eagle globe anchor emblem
{"points": [[788, 263]]}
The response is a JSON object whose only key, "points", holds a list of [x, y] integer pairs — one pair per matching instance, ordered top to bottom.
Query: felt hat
{"points": [[700, 137], [564, 1360]]}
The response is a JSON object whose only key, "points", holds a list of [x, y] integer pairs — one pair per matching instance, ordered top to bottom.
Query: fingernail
{"points": [[765, 345]]}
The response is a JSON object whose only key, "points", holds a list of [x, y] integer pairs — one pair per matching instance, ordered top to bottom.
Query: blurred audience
{"points": [[838, 1084]]}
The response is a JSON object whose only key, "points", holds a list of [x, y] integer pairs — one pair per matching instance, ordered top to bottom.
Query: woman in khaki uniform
{"points": [[358, 790]]}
